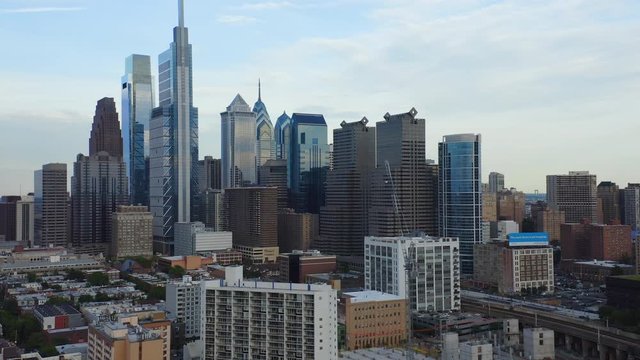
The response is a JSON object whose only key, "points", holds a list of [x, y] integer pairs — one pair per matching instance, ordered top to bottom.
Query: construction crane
{"points": [[409, 263]]}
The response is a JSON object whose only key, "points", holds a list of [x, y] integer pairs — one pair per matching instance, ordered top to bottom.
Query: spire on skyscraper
{"points": [[181, 13], [259, 91]]}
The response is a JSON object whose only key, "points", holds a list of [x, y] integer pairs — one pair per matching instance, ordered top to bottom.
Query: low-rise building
{"points": [[193, 238], [258, 255], [226, 257], [186, 262], [296, 265], [594, 271], [623, 291], [58, 316], [373, 319], [120, 340], [539, 344], [476, 350]]}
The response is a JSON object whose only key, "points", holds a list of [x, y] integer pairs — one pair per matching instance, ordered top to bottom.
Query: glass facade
{"points": [[137, 103], [282, 136], [238, 144], [265, 145], [309, 161], [460, 207]]}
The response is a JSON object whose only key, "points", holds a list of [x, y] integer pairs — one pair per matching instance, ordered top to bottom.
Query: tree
{"points": [[177, 271], [617, 271], [73, 274], [31, 277], [98, 279], [156, 293], [101, 297], [85, 298], [56, 300]]}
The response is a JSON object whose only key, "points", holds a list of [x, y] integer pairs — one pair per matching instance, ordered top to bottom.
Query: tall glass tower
{"points": [[137, 103], [238, 127], [282, 136], [173, 140], [265, 146], [309, 161], [460, 200]]}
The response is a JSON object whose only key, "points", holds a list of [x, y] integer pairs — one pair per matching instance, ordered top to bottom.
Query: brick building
{"points": [[596, 241], [295, 266]]}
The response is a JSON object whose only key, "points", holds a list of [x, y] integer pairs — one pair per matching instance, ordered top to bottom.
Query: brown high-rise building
{"points": [[105, 132], [274, 173], [575, 194], [609, 199], [51, 205], [510, 205], [489, 206], [252, 214], [343, 219], [549, 221], [296, 231], [132, 233], [596, 241], [295, 266]]}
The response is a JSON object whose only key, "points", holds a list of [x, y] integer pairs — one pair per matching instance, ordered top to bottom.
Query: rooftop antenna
{"points": [[181, 13], [259, 90]]}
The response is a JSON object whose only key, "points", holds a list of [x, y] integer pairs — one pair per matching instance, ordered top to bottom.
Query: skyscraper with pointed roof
{"points": [[105, 131], [282, 136], [265, 145], [238, 151], [173, 165]]}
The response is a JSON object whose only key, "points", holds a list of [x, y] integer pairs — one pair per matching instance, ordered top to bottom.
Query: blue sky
{"points": [[551, 86]]}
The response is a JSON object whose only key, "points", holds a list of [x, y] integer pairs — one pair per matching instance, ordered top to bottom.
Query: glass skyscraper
{"points": [[137, 103], [238, 128], [282, 136], [173, 141], [265, 145], [308, 162], [460, 202]]}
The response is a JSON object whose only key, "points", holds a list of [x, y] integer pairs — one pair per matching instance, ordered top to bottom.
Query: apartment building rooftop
{"points": [[370, 295]]}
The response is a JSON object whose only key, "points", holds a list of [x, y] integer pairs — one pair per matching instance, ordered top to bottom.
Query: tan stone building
{"points": [[510, 205], [489, 207], [549, 221], [132, 232], [373, 319]]}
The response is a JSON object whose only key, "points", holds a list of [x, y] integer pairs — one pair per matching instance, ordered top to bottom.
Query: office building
{"points": [[137, 104], [105, 130], [282, 136], [173, 141], [265, 142], [238, 144], [308, 162], [274, 173], [210, 174], [399, 177], [496, 182], [98, 186], [575, 194], [432, 198], [609, 200], [460, 202], [51, 205], [510, 205], [631, 206], [489, 207], [210, 209], [25, 217], [344, 218], [253, 220], [8, 221], [549, 221], [501, 229], [296, 231], [132, 232], [194, 238], [586, 241], [522, 263], [295, 266], [436, 283], [183, 303], [254, 319], [373, 319], [539, 344], [476, 350]]}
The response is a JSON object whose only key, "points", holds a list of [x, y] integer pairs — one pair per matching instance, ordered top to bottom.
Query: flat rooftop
{"points": [[604, 263], [371, 295]]}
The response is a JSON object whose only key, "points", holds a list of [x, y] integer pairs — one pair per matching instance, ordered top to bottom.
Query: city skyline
{"points": [[486, 67]]}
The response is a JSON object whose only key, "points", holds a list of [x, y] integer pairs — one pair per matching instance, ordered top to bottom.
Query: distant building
{"points": [[282, 136], [265, 142], [238, 145], [460, 169], [274, 173], [210, 174], [496, 182], [575, 194], [432, 198], [609, 199], [51, 205], [510, 205], [631, 206], [489, 207], [210, 209], [25, 217], [253, 219], [8, 221], [549, 221], [296, 231], [132, 232], [193, 238], [596, 241], [226, 257], [436, 261], [186, 262], [297, 265], [514, 267], [594, 271], [183, 301], [307, 310], [62, 316], [373, 319], [539, 344], [476, 350]]}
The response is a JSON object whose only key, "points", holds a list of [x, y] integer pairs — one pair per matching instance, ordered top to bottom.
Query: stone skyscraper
{"points": [[137, 104], [105, 132], [173, 141], [238, 143], [265, 144], [400, 145], [575, 194], [460, 201], [51, 204], [344, 218]]}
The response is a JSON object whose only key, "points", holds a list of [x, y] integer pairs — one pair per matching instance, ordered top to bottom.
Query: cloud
{"points": [[266, 5], [29, 10], [235, 19]]}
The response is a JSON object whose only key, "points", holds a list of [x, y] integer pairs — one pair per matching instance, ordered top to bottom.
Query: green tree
{"points": [[177, 271], [616, 271], [73, 274], [31, 277], [98, 279], [156, 293], [100, 297], [85, 298], [57, 300], [11, 306]]}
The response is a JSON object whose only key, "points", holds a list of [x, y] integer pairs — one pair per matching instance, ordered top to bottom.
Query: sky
{"points": [[552, 86]]}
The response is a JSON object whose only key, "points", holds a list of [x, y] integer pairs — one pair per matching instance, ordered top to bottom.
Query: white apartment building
{"points": [[193, 238], [436, 268], [183, 302], [267, 320], [539, 343]]}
